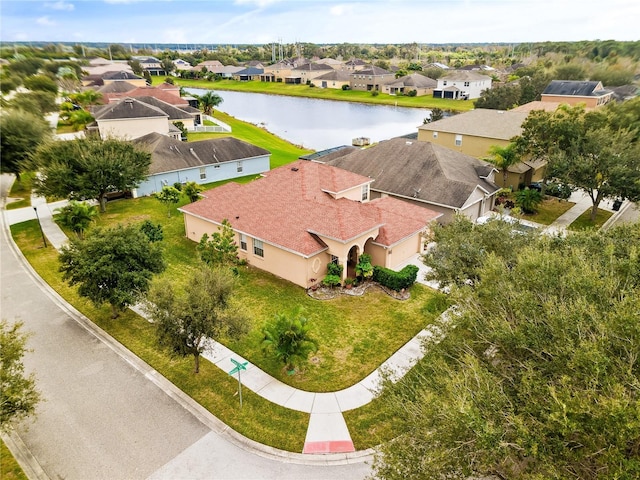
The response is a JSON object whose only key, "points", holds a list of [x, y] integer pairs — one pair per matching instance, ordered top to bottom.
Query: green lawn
{"points": [[274, 88], [282, 151], [22, 190], [549, 211], [583, 222], [355, 334], [9, 468]]}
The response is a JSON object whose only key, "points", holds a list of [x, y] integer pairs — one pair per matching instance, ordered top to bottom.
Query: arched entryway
{"points": [[352, 260]]}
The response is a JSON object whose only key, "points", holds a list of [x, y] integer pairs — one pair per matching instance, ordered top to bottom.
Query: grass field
{"points": [[274, 88], [22, 190], [549, 210], [583, 222], [9, 468]]}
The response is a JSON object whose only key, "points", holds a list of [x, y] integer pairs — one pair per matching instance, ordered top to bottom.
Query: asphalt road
{"points": [[107, 415]]}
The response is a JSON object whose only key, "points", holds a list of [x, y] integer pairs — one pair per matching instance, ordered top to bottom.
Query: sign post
{"points": [[238, 369]]}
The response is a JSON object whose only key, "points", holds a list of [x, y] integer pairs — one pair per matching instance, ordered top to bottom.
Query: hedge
{"points": [[395, 280]]}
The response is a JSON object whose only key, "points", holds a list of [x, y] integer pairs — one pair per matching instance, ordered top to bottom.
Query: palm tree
{"points": [[208, 101], [503, 158], [78, 216], [288, 339]]}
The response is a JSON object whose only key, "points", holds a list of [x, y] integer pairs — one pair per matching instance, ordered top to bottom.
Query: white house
{"points": [[462, 85], [205, 161]]}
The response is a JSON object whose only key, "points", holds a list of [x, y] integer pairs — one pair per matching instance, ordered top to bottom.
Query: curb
{"points": [[203, 415]]}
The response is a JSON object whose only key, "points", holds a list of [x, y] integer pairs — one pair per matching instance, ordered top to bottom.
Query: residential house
{"points": [[332, 62], [355, 64], [152, 65], [182, 65], [208, 65], [226, 71], [280, 71], [308, 73], [248, 74], [123, 76], [334, 79], [371, 79], [414, 82], [462, 85], [115, 88], [573, 92], [475, 132], [205, 161], [426, 174], [302, 216]]}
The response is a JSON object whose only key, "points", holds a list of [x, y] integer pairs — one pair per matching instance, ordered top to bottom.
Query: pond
{"points": [[319, 124]]}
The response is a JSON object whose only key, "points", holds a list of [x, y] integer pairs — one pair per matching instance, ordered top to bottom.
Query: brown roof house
{"points": [[334, 79], [371, 79], [415, 82], [572, 92], [131, 118], [475, 132], [205, 161], [422, 173], [299, 217]]}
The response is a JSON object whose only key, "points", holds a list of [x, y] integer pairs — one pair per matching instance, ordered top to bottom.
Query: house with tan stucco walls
{"points": [[591, 94], [475, 132], [298, 218]]}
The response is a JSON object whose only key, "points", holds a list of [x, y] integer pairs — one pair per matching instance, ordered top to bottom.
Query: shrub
{"points": [[346, 87], [375, 93], [412, 93], [177, 186], [558, 190], [528, 200], [152, 230], [334, 269], [364, 269], [395, 280], [331, 281]]}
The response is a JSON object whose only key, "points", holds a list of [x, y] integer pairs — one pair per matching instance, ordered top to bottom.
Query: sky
{"points": [[318, 21]]}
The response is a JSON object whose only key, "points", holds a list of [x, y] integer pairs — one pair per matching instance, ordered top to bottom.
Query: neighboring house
{"points": [[332, 62], [254, 64], [355, 64], [151, 65], [182, 65], [209, 65], [439, 65], [227, 71], [280, 71], [308, 72], [248, 74], [123, 76], [334, 79], [371, 79], [414, 82], [461, 85], [115, 88], [590, 93], [189, 116], [129, 119], [475, 132], [205, 161], [422, 173], [304, 215]]}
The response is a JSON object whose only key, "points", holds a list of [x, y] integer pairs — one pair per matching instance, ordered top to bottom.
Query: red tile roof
{"points": [[154, 92], [290, 208]]}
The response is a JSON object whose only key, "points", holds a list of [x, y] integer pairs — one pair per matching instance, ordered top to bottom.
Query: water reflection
{"points": [[320, 124]]}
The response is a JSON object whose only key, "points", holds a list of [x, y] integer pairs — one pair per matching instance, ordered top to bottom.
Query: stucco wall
{"points": [[330, 84], [128, 129], [475, 146]]}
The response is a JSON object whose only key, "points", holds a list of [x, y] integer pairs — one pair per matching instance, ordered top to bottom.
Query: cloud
{"points": [[258, 3], [60, 5], [45, 22]]}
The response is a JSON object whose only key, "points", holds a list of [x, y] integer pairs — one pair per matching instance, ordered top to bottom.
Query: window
{"points": [[444, 83], [466, 84], [435, 134], [458, 140], [216, 166], [239, 167], [203, 173], [365, 192], [243, 242], [258, 247], [335, 260]]}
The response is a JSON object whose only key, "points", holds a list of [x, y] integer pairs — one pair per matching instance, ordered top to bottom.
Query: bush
{"points": [[346, 87], [375, 93], [412, 93], [177, 186], [558, 190], [153, 231], [334, 269], [395, 280], [331, 281]]}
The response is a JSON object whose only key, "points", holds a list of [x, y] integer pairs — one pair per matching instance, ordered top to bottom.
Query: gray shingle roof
{"points": [[313, 67], [335, 75], [121, 76], [465, 76], [414, 80], [117, 87], [573, 87], [128, 108], [174, 112], [481, 122], [168, 154], [420, 170]]}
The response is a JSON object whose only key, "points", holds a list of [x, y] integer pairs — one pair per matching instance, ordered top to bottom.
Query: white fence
{"points": [[210, 128]]}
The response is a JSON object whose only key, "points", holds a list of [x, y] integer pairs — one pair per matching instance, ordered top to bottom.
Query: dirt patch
{"points": [[327, 293]]}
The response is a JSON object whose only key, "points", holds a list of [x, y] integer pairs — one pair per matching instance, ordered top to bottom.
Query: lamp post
{"points": [[44, 239]]}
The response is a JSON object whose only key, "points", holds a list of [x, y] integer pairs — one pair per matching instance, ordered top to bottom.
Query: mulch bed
{"points": [[327, 293]]}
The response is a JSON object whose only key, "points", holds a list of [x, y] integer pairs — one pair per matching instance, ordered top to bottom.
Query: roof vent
{"points": [[408, 143], [294, 169]]}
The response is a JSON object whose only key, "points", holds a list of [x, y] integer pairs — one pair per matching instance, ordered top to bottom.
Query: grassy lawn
{"points": [[274, 88], [282, 151], [22, 190], [549, 210], [583, 222], [355, 334], [9, 468]]}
